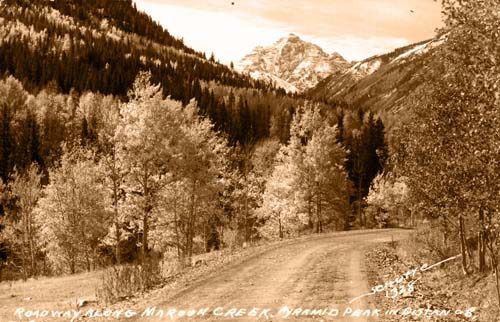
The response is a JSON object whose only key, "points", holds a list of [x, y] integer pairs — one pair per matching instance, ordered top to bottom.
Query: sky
{"points": [[357, 29]]}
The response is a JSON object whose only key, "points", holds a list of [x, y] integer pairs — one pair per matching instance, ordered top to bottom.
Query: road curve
{"points": [[319, 273]]}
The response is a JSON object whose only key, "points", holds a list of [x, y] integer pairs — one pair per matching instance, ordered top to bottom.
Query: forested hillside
{"points": [[100, 46], [381, 83], [120, 144], [125, 152], [444, 161]]}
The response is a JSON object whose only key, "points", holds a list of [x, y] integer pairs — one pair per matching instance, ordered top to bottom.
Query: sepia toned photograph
{"points": [[249, 160]]}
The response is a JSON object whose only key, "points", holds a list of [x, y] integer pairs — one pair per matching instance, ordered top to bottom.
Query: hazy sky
{"points": [[356, 29]]}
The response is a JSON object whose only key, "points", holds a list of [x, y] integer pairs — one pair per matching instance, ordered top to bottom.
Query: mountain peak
{"points": [[292, 36], [336, 55], [292, 63]]}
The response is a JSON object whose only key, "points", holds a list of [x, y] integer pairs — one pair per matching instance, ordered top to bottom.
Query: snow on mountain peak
{"points": [[292, 63]]}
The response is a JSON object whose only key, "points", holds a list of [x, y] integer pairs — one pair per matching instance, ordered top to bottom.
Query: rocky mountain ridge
{"points": [[292, 64]]}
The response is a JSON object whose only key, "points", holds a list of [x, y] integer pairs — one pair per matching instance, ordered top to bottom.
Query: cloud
{"points": [[356, 29], [229, 37], [355, 48]]}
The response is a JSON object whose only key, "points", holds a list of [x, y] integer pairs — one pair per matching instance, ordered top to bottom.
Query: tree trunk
{"points": [[318, 209], [147, 210], [309, 213], [320, 215], [360, 215], [191, 222], [117, 226], [280, 227], [145, 229], [176, 229], [247, 230], [206, 235], [31, 243], [481, 243], [463, 245], [117, 246], [24, 248], [32, 255], [87, 261], [494, 261], [23, 263], [72, 265], [497, 279]]}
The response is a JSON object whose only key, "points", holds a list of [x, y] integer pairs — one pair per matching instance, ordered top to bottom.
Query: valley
{"points": [[143, 177]]}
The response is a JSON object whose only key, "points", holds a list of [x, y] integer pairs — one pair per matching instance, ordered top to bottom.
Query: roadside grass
{"points": [[214, 262], [443, 287], [63, 292], [47, 293]]}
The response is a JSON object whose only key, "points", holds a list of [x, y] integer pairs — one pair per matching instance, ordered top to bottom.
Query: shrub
{"points": [[230, 238], [430, 244], [123, 281]]}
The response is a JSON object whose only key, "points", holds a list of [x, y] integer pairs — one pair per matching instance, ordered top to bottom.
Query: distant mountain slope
{"points": [[99, 45], [76, 46], [292, 64], [378, 83]]}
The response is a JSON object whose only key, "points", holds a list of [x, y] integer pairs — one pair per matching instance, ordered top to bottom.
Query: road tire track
{"points": [[319, 273]]}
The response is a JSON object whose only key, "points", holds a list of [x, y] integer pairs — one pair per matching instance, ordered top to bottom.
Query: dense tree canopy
{"points": [[139, 142], [449, 148]]}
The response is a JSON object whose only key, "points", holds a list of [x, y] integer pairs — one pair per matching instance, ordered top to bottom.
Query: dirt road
{"points": [[311, 279]]}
